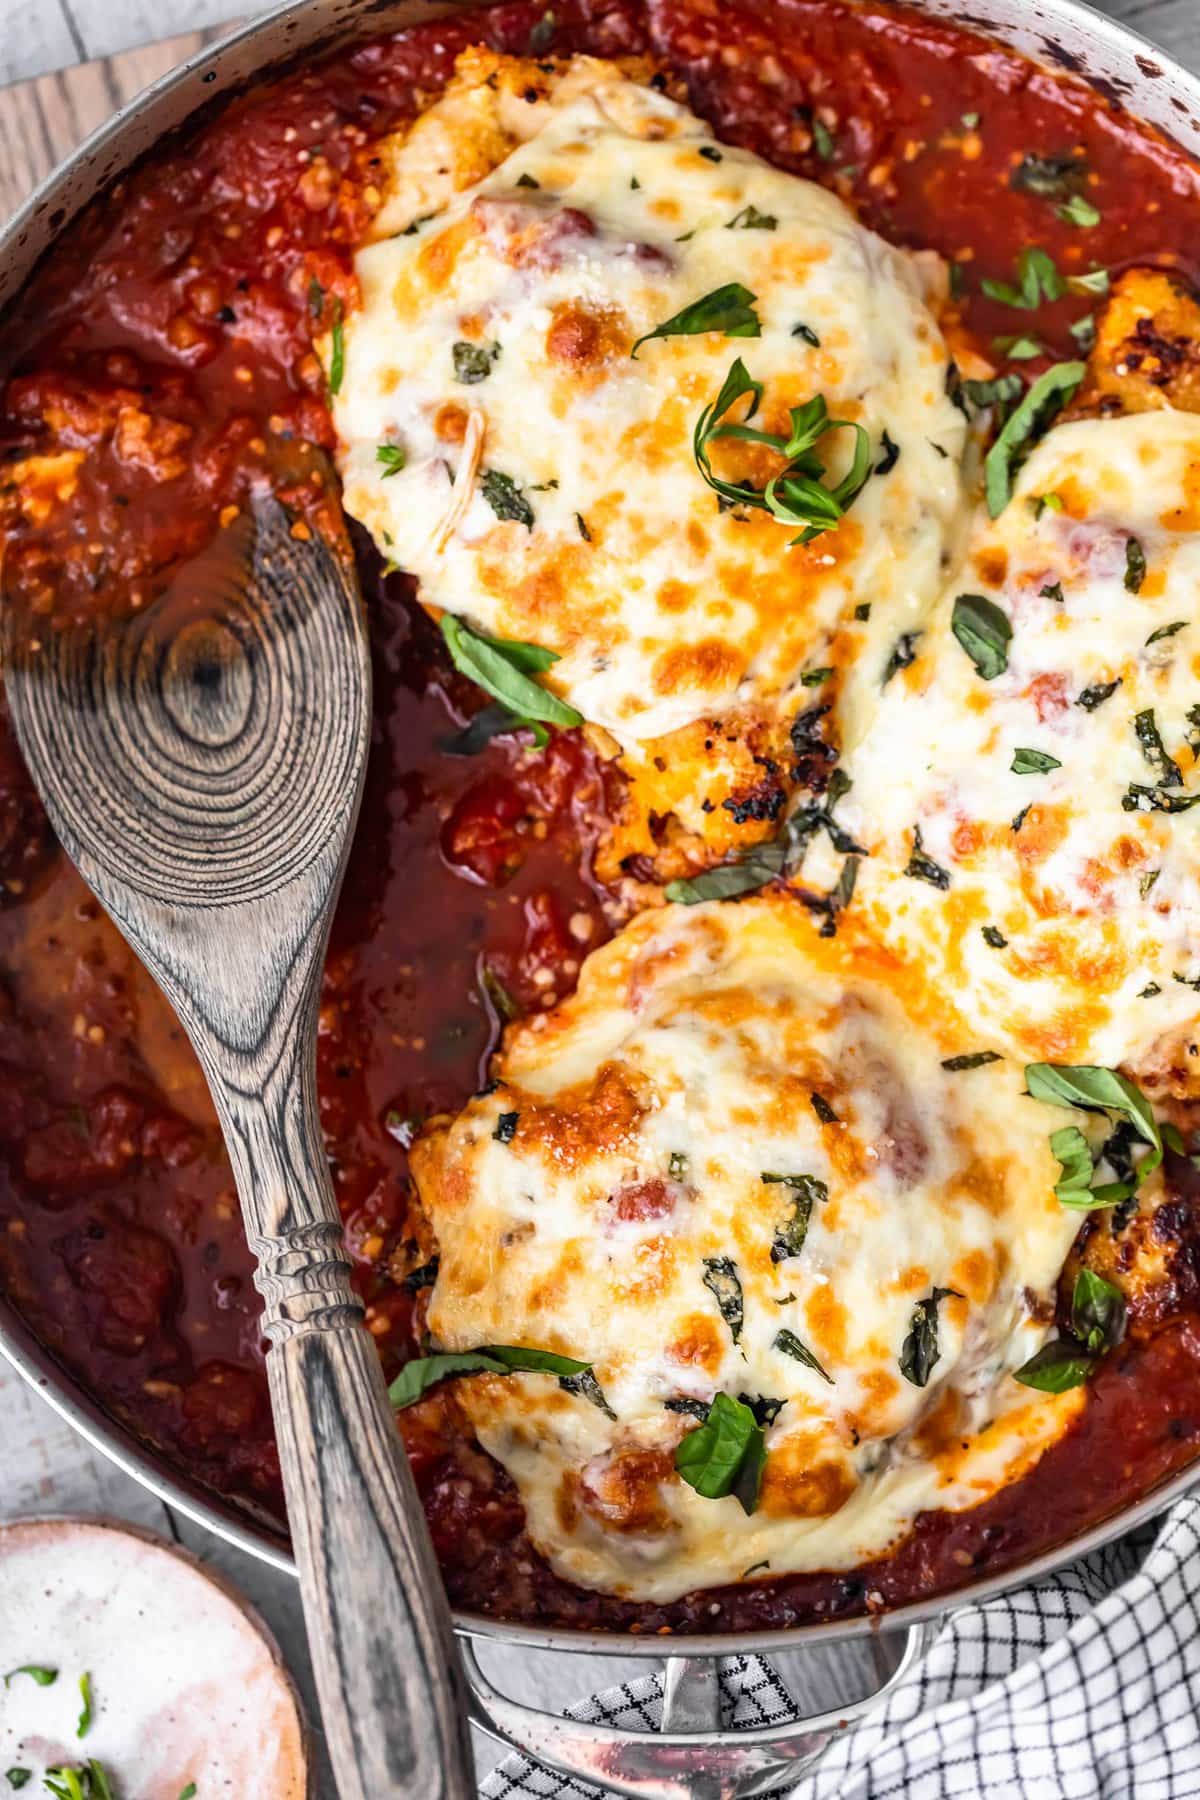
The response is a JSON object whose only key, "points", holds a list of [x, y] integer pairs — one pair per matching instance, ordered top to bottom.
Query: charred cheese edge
{"points": [[669, 615], [1094, 888], [649, 1107]]}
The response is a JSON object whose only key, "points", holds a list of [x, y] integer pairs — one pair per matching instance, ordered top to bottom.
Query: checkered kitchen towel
{"points": [[1085, 1684]]}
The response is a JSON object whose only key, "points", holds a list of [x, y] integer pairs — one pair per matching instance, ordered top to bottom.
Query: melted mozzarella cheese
{"points": [[620, 212], [1093, 888], [649, 1108]]}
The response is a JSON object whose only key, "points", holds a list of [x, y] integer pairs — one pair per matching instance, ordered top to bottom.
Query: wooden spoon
{"points": [[202, 764]]}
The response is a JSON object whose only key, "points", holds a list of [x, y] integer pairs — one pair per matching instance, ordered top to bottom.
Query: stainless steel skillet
{"points": [[692, 1759]]}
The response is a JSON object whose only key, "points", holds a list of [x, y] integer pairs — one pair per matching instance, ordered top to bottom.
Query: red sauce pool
{"points": [[169, 339]]}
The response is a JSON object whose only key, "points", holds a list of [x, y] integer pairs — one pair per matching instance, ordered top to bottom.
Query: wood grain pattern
{"points": [[202, 764]]}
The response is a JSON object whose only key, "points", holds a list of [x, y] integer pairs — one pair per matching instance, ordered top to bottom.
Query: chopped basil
{"points": [[542, 35], [970, 120], [823, 140], [709, 152], [1049, 177], [526, 180], [1078, 211], [750, 219], [1038, 280], [1096, 281], [316, 298], [728, 309], [1084, 333], [808, 334], [1019, 349], [337, 352], [473, 362], [999, 391], [1048, 395], [891, 454], [392, 457], [796, 495], [505, 498], [1041, 503], [584, 533], [1135, 566], [1053, 590], [863, 610], [1166, 631], [984, 632], [904, 653], [503, 668], [815, 677], [1092, 697], [489, 722], [1155, 751], [1033, 762], [1148, 799], [1021, 818], [780, 857], [764, 863], [922, 867], [1146, 881], [995, 938], [1149, 991], [497, 995], [975, 1059], [1094, 1089], [823, 1109], [506, 1127], [806, 1191], [422, 1277], [723, 1283], [1097, 1311], [791, 1345], [921, 1350], [1056, 1367], [416, 1377], [588, 1388], [682, 1403], [725, 1455], [35, 1671], [85, 1716], [18, 1777], [87, 1782]]}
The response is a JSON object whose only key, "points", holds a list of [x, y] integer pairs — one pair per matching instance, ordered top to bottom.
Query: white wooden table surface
{"points": [[44, 1466]]}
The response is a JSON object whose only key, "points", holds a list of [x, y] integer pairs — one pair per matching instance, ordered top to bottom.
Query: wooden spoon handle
{"points": [[393, 1699]]}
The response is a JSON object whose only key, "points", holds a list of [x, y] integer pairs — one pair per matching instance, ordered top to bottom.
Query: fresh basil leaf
{"points": [[542, 33], [969, 120], [823, 140], [1049, 177], [526, 180], [1079, 211], [750, 219], [1038, 280], [1096, 281], [316, 298], [729, 309], [1084, 333], [808, 334], [1019, 349], [337, 351], [473, 362], [1000, 391], [1048, 395], [891, 453], [392, 458], [505, 498], [1135, 566], [1053, 590], [1166, 631], [984, 632], [498, 666], [815, 677], [1092, 697], [489, 722], [1155, 751], [1033, 762], [1021, 817], [922, 867], [728, 880], [995, 938], [497, 995], [974, 1059], [1094, 1090], [823, 1109], [506, 1127], [806, 1191], [723, 1283], [1097, 1312], [791, 1345], [921, 1350], [1056, 1367], [416, 1377], [588, 1388], [683, 1403], [725, 1455], [36, 1672], [85, 1716], [17, 1777]]}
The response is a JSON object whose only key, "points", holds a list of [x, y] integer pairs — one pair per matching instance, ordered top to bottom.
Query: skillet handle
{"points": [[692, 1757]]}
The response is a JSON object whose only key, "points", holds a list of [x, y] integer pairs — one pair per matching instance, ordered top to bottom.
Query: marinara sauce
{"points": [[169, 341]]}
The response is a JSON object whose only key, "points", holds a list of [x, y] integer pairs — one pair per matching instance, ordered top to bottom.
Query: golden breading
{"points": [[1147, 351]]}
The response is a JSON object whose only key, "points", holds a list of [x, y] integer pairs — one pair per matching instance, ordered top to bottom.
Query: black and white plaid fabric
{"points": [[1085, 1684]]}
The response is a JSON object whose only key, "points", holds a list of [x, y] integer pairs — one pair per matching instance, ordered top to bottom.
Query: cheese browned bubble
{"points": [[492, 350], [1070, 904], [648, 1109]]}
